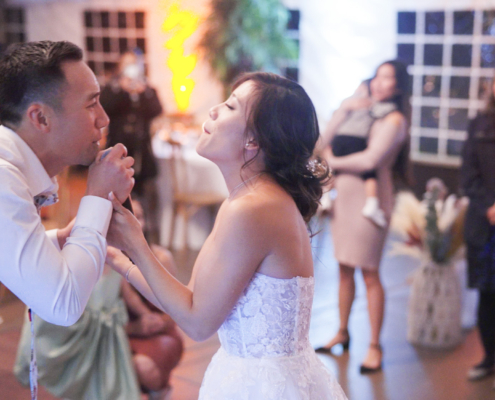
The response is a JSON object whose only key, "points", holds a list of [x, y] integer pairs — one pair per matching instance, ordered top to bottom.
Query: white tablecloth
{"points": [[202, 176]]}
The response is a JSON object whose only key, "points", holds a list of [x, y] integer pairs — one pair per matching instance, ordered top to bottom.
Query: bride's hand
{"points": [[125, 232], [117, 260]]}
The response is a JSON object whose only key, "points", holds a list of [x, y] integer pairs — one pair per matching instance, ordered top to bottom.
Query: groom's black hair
{"points": [[32, 72]]}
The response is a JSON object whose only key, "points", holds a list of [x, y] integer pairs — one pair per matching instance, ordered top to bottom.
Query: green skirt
{"points": [[90, 360]]}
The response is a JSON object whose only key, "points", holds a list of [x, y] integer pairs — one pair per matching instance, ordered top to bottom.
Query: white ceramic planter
{"points": [[434, 318]]}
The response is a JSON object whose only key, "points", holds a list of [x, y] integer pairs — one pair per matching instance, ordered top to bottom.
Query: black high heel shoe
{"points": [[345, 343], [363, 369]]}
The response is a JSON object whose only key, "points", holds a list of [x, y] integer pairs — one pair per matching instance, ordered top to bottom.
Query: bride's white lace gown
{"points": [[265, 352]]}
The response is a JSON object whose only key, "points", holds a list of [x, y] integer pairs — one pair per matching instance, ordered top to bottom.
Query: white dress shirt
{"points": [[56, 283]]}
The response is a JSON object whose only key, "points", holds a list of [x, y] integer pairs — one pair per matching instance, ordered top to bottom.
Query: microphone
{"points": [[127, 203]]}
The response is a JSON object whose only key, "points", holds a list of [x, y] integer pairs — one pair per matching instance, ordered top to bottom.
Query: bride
{"points": [[253, 279]]}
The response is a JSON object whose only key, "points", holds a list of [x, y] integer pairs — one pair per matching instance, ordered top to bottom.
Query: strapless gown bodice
{"points": [[271, 318], [265, 352]]}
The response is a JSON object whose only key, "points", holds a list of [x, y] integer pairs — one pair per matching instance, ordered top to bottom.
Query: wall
{"points": [[62, 20], [342, 42]]}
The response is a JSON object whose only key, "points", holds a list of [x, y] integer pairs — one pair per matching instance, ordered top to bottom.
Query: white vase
{"points": [[434, 318]]}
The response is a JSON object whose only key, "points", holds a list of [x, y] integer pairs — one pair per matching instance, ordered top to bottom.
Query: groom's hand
{"points": [[111, 173]]}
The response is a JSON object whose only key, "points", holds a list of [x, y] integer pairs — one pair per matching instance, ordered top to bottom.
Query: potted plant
{"points": [[246, 35], [433, 231]]}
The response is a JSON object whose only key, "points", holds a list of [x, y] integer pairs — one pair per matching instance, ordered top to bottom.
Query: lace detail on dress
{"points": [[271, 319], [265, 353]]}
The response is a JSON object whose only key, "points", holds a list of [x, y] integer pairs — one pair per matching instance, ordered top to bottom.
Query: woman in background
{"points": [[478, 183], [358, 241]]}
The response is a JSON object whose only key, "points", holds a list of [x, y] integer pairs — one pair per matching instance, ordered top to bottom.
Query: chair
{"points": [[186, 203]]}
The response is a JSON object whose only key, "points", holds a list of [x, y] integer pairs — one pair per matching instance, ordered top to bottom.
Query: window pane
{"points": [[14, 15], [294, 17], [88, 19], [105, 19], [122, 20], [140, 20], [406, 22], [463, 22], [434, 23], [489, 23], [141, 43], [90, 44], [106, 45], [123, 47], [405, 53], [433, 54], [461, 55], [487, 56], [431, 85], [459, 87], [484, 88], [430, 117], [458, 119], [428, 145], [454, 147]]}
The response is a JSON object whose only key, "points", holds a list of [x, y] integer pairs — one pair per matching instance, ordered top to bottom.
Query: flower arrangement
{"points": [[431, 228]]}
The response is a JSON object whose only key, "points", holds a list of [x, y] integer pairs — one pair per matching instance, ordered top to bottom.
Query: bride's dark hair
{"points": [[283, 122]]}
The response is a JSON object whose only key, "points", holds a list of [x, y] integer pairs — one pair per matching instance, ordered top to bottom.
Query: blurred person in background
{"points": [[131, 105], [382, 119], [478, 183]]}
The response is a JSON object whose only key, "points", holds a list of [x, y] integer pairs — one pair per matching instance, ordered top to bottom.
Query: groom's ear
{"points": [[38, 115]]}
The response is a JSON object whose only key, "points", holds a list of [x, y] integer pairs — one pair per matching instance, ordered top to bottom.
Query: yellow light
{"points": [[182, 24]]}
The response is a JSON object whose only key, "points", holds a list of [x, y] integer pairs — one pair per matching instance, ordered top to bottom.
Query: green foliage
{"points": [[246, 35], [437, 242]]}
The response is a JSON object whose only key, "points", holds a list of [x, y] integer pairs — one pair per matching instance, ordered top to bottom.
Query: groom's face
{"points": [[79, 123]]}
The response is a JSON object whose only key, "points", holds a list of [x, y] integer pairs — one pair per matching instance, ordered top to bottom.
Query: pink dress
{"points": [[358, 242]]}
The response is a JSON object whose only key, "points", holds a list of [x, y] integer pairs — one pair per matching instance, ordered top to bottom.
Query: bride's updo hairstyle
{"points": [[283, 122]]}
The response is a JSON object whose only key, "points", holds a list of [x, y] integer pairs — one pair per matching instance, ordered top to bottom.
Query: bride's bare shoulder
{"points": [[260, 206]]}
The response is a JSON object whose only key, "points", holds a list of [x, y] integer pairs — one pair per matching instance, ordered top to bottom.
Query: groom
{"points": [[51, 117]]}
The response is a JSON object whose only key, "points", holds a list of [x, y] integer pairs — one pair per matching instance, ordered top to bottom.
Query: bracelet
{"points": [[129, 271]]}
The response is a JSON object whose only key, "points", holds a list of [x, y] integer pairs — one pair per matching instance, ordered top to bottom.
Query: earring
{"points": [[250, 143]]}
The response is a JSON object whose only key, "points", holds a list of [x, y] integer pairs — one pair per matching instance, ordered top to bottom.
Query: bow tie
{"points": [[45, 199]]}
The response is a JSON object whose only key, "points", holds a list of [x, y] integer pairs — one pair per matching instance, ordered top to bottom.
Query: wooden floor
{"points": [[409, 373]]}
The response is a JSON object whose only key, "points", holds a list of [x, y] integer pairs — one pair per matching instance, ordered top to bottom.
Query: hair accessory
{"points": [[316, 168], [129, 271]]}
